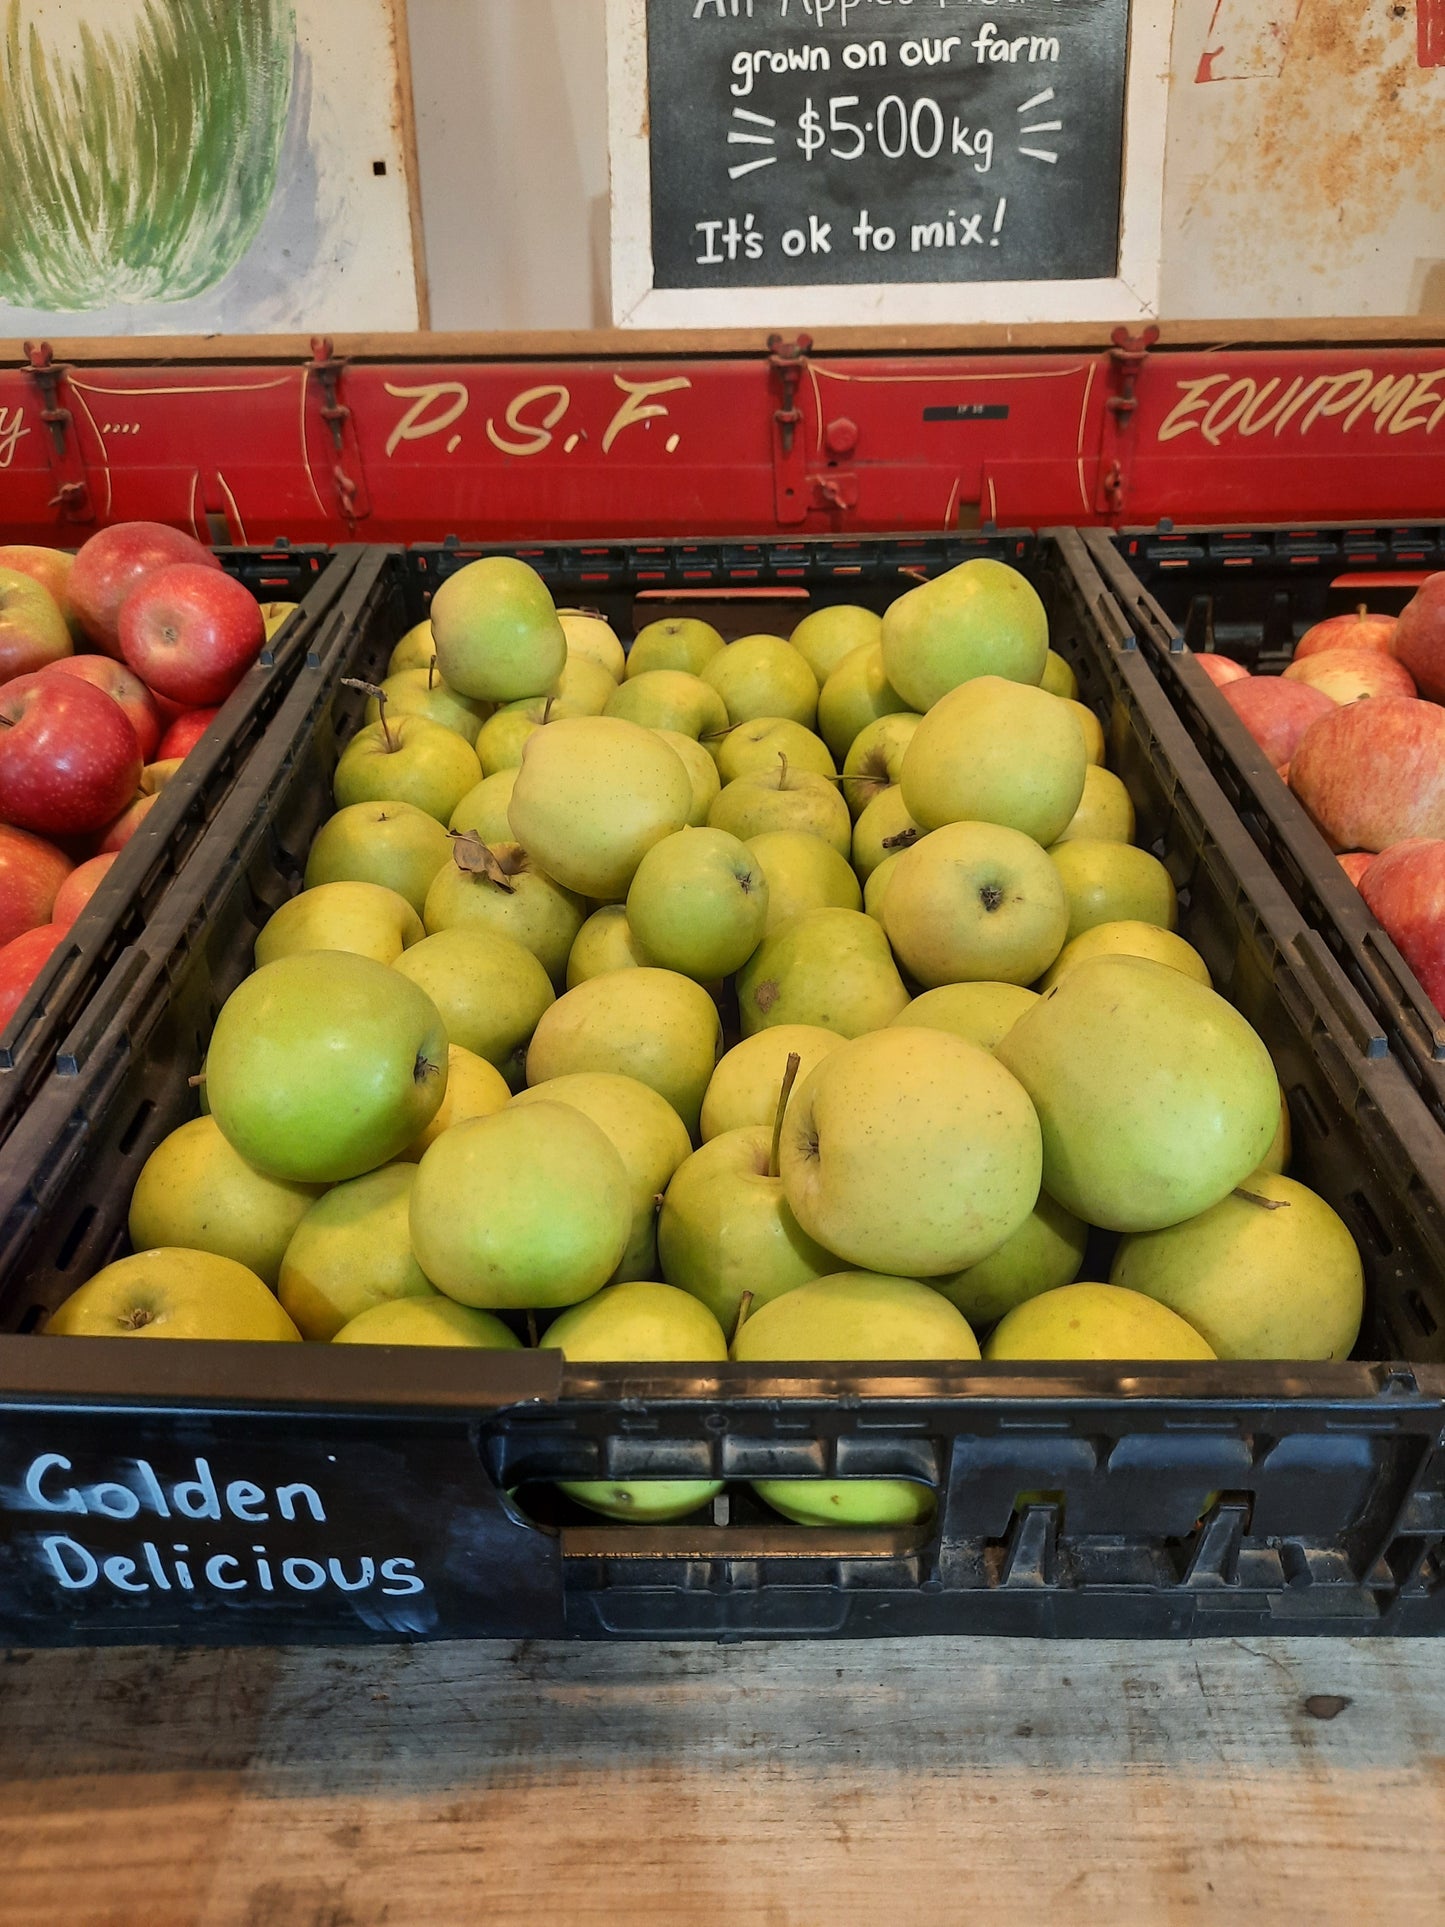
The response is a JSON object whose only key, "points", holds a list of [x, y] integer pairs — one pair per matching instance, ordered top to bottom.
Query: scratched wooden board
{"points": [[900, 1783]]}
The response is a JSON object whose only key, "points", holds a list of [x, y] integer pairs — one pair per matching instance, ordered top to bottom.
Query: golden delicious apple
{"points": [[980, 619], [496, 631], [828, 635], [591, 639], [677, 642], [764, 676], [1058, 678], [421, 692], [856, 694], [670, 699], [758, 745], [995, 751], [407, 759], [875, 761], [701, 772], [592, 797], [784, 798], [484, 809], [1105, 812], [884, 829], [393, 844], [803, 873], [1113, 883], [499, 887], [975, 903], [699, 904], [366, 919], [1127, 938], [605, 942], [829, 968], [490, 991], [979, 1013], [654, 1025], [745, 1085], [475, 1088], [195, 1192], [352, 1250], [1044, 1253], [171, 1293], [428, 1321], [1098, 1322]]}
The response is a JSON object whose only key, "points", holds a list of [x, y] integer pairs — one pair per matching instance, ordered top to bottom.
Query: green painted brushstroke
{"points": [[143, 170]]}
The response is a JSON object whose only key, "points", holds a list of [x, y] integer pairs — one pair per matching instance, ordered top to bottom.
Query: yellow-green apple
{"points": [[116, 560], [51, 569], [275, 615], [981, 619], [33, 630], [1357, 630], [496, 631], [191, 632], [592, 638], [824, 638], [1419, 641], [677, 642], [416, 650], [1221, 669], [1352, 675], [764, 676], [1058, 678], [584, 688], [421, 692], [856, 694], [670, 699], [1276, 713], [1090, 728], [503, 736], [758, 745], [995, 751], [409, 760], [71, 761], [875, 761], [701, 773], [1373, 774], [155, 776], [592, 797], [783, 799], [484, 808], [1105, 812], [884, 829], [393, 844], [803, 873], [31, 874], [1112, 883], [498, 887], [876, 887], [1405, 887], [975, 903], [699, 904], [366, 918], [1127, 937], [605, 942], [829, 968], [488, 989], [980, 1013], [654, 1025], [324, 1065], [745, 1085], [475, 1088], [1155, 1095], [646, 1133], [1277, 1157], [196, 1192], [525, 1209], [352, 1250], [1045, 1252], [1271, 1271], [173, 1293], [429, 1321], [1094, 1322], [647, 1323]]}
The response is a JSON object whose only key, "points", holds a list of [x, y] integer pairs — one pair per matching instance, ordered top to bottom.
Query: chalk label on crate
{"points": [[813, 142]]}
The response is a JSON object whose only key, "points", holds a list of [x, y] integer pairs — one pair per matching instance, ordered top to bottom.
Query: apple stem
{"points": [[1362, 608], [431, 674], [374, 689], [547, 710], [7, 721], [783, 779], [790, 1078], [196, 1081], [1265, 1204], [745, 1305], [532, 1329]]}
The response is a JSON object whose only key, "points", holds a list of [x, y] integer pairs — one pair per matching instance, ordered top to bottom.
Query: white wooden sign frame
{"points": [[1132, 294]]}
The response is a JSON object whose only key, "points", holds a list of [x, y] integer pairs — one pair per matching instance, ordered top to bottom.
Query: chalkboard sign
{"points": [[878, 144]]}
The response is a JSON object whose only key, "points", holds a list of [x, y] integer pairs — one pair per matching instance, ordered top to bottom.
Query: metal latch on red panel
{"points": [[1127, 358], [62, 444], [348, 475], [796, 491]]}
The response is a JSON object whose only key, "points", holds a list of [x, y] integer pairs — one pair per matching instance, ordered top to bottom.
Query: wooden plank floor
{"points": [[905, 1784]]}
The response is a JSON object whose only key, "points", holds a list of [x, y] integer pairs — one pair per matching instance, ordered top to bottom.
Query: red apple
{"points": [[113, 562], [50, 568], [32, 629], [1358, 630], [191, 632], [1420, 637], [1222, 669], [1351, 675], [123, 686], [1275, 712], [184, 733], [68, 756], [1373, 774], [127, 823], [1354, 863], [31, 874], [79, 887], [1405, 887], [21, 962]]}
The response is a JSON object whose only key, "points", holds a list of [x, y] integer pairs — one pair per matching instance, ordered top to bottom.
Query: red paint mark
{"points": [[1430, 16], [1248, 39], [1208, 56]]}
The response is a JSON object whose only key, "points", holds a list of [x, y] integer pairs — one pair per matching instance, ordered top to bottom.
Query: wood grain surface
{"points": [[900, 1783]]}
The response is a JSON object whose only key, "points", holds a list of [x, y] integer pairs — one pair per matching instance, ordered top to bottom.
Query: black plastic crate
{"points": [[1252, 595], [112, 926], [1079, 1500]]}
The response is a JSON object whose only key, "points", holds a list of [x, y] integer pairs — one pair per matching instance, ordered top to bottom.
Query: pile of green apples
{"points": [[484, 1076]]}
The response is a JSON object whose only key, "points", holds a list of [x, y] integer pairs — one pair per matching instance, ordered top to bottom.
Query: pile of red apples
{"points": [[113, 661], [1355, 727]]}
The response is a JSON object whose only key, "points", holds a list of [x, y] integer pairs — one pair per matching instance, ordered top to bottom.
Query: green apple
{"points": [[274, 615], [981, 619], [496, 631], [827, 636], [591, 638], [677, 642], [416, 650], [764, 676], [1058, 678], [584, 688], [421, 692], [856, 694], [670, 699], [1090, 728], [503, 737], [758, 745], [996, 751], [410, 760], [875, 761], [701, 773], [593, 796], [783, 799], [484, 809], [1105, 812], [884, 829], [393, 844], [803, 873], [1113, 883], [498, 887], [876, 888], [975, 903], [699, 904], [365, 918], [1128, 938], [605, 942], [828, 968], [489, 990], [979, 1013], [654, 1025], [324, 1065], [745, 1085], [475, 1088], [1155, 1096], [646, 1133], [911, 1152], [1277, 1157], [196, 1192], [525, 1209], [726, 1229], [352, 1250], [1045, 1252], [1268, 1272], [173, 1293], [846, 1317], [428, 1321], [1094, 1322], [648, 1323]]}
